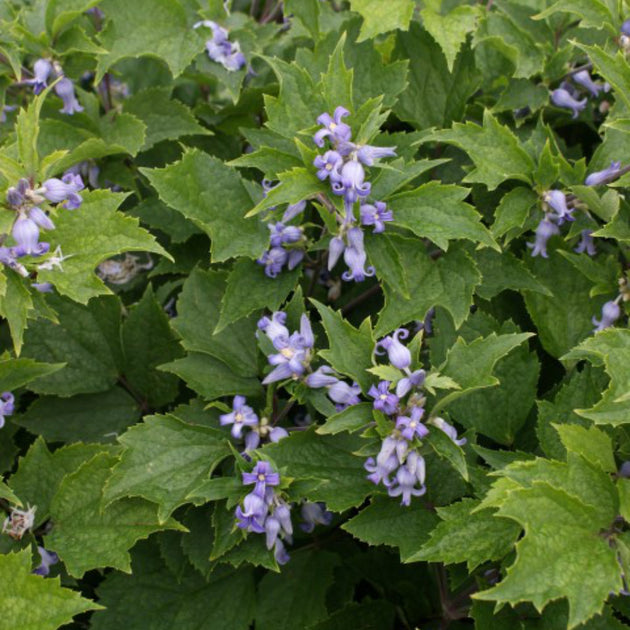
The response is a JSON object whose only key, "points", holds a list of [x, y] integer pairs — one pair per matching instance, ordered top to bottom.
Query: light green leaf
{"points": [[307, 12], [59, 13], [591, 13], [379, 17], [129, 32], [614, 68], [337, 82], [165, 117], [27, 130], [493, 148], [214, 197], [438, 212], [512, 212], [90, 235], [448, 282], [248, 289], [16, 306], [350, 349], [15, 373], [591, 443], [448, 450], [163, 460], [86, 533], [464, 535], [32, 601]]}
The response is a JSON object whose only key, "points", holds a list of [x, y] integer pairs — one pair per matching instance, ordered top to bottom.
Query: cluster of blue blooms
{"points": [[221, 49], [43, 70], [343, 165], [399, 466]]}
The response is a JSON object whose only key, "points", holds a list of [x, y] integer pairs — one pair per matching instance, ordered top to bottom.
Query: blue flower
{"points": [[220, 49], [41, 71], [584, 79], [64, 88], [562, 98], [334, 128], [367, 153], [328, 165], [602, 177], [351, 182], [65, 189], [557, 200], [376, 215], [545, 230], [281, 233], [586, 244], [355, 257], [273, 261], [611, 311], [398, 355], [321, 377], [413, 379], [344, 395], [384, 400], [7, 407], [241, 416], [410, 426], [450, 430], [393, 452], [262, 475], [409, 475], [314, 514], [48, 558]]}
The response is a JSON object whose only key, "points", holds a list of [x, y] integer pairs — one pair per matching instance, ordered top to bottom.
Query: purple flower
{"points": [[625, 28], [220, 49], [41, 71], [584, 79], [64, 89], [562, 98], [334, 129], [367, 154], [328, 165], [602, 177], [351, 183], [65, 189], [557, 201], [293, 210], [376, 215], [41, 218], [545, 230], [281, 233], [26, 235], [586, 243], [335, 249], [355, 257], [295, 258], [273, 261], [42, 287], [611, 311], [274, 326], [293, 353], [398, 355], [321, 377], [414, 379], [344, 395], [384, 400], [7, 407], [241, 416], [410, 426], [450, 430], [277, 433], [393, 452], [624, 469], [262, 475], [407, 476], [314, 514], [252, 515], [280, 553], [48, 558]]}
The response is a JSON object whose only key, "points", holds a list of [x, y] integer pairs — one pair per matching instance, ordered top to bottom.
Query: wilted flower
{"points": [[19, 522]]}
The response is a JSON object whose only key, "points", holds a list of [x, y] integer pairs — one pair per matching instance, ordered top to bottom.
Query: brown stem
{"points": [[366, 295]]}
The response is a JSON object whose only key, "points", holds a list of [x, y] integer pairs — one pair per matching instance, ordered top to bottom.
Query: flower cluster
{"points": [[221, 49], [43, 69], [568, 94], [343, 165], [26, 202], [7, 406], [242, 416], [399, 466], [264, 511]]}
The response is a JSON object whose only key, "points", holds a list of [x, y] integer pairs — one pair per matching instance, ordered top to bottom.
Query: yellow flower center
{"points": [[287, 353]]}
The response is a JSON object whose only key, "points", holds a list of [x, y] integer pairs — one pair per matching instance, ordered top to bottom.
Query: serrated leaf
{"points": [[591, 13], [379, 17], [168, 35], [613, 68], [337, 82], [493, 148], [213, 196], [513, 211], [438, 212], [90, 235], [448, 282], [248, 289], [16, 306], [612, 348], [350, 349], [15, 373], [591, 443], [448, 450], [163, 460], [467, 536], [37, 602]]}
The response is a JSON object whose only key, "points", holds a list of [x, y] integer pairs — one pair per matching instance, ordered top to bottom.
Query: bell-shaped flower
{"points": [[41, 71], [583, 78], [64, 88], [562, 98], [367, 153], [602, 177], [351, 183], [557, 200], [293, 210], [41, 218], [545, 230], [281, 233], [26, 234], [586, 244], [335, 249], [355, 257], [273, 260], [611, 311], [274, 326], [398, 354], [321, 377], [407, 383], [344, 395], [7, 406], [449, 429], [404, 485], [314, 514], [48, 558]]}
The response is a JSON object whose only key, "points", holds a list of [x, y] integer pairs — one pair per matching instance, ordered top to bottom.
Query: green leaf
{"points": [[307, 12], [60, 13], [591, 13], [379, 17], [451, 29], [167, 35], [614, 68], [337, 82], [435, 96], [165, 117], [27, 130], [493, 148], [214, 197], [438, 212], [512, 212], [90, 235], [383, 255], [448, 282], [248, 289], [15, 306], [198, 309], [86, 339], [148, 342], [611, 348], [350, 349], [472, 365], [15, 373], [211, 378], [88, 417], [352, 418], [591, 443], [448, 450], [331, 459], [163, 460], [386, 522], [558, 526], [87, 534], [469, 536], [152, 597], [292, 599], [32, 601], [369, 614]]}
